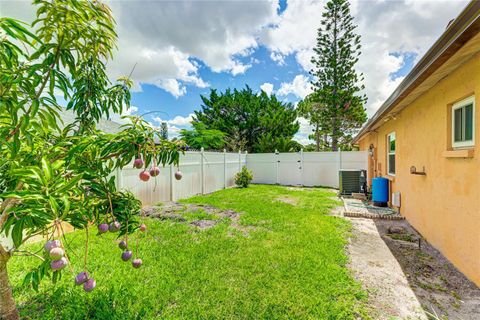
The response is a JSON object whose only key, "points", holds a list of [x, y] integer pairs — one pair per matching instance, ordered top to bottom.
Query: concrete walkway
{"points": [[361, 209], [374, 265]]}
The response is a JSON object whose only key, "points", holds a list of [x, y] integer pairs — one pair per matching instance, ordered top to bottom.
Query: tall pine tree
{"points": [[336, 107], [164, 131]]}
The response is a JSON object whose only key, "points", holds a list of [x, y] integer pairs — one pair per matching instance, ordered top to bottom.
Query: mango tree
{"points": [[51, 173]]}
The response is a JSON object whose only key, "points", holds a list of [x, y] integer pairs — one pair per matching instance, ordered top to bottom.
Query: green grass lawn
{"points": [[290, 264]]}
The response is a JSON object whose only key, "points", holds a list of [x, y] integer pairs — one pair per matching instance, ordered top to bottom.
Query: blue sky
{"points": [[181, 49], [409, 59], [263, 70], [160, 103]]}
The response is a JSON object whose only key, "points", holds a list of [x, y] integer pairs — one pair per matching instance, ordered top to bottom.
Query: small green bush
{"points": [[243, 178]]}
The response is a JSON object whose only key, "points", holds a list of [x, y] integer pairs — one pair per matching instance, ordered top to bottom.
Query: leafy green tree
{"points": [[336, 108], [252, 121], [164, 131], [200, 136], [235, 140], [269, 143], [310, 147], [53, 173]]}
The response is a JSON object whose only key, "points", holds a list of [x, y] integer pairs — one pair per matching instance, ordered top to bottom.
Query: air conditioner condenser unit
{"points": [[352, 181]]}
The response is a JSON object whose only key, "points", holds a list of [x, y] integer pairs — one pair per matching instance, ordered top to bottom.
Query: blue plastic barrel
{"points": [[380, 191]]}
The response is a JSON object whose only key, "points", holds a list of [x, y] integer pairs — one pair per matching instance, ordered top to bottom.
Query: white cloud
{"points": [[385, 26], [396, 26], [295, 29], [164, 37], [278, 58], [304, 58], [166, 68], [238, 68], [172, 86], [267, 87], [300, 87], [127, 112], [159, 120], [182, 121], [176, 124], [305, 127], [305, 130], [173, 131], [302, 139]]}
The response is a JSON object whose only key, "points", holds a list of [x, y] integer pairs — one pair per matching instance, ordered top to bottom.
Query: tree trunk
{"points": [[335, 131], [317, 138], [8, 308]]}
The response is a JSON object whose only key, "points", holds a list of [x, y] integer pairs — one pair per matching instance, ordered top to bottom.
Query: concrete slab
{"points": [[360, 208], [375, 266]]}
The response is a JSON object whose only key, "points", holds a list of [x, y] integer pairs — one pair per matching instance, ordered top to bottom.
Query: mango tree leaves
{"points": [[51, 172], [66, 174]]}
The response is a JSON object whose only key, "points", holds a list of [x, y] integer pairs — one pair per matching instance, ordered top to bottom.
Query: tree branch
{"points": [[40, 90], [6, 205], [42, 232], [3, 252], [27, 254]]}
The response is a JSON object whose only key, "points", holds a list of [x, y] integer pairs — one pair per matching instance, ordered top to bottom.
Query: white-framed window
{"points": [[463, 123], [391, 154]]}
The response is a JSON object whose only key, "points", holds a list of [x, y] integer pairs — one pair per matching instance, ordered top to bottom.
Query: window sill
{"points": [[462, 153], [389, 177]]}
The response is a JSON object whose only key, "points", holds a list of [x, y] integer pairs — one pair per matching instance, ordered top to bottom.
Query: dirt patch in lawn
{"points": [[286, 199], [169, 211], [179, 212], [204, 224], [439, 286]]}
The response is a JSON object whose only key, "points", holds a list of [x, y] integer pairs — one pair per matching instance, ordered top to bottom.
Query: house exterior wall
{"points": [[444, 205]]}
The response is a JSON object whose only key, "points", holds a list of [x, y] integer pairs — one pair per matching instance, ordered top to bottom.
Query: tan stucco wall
{"points": [[444, 205]]}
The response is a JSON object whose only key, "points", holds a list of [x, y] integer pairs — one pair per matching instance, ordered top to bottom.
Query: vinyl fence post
{"points": [[239, 160], [339, 160], [276, 167], [224, 168], [301, 168], [202, 169], [119, 180], [172, 198]]}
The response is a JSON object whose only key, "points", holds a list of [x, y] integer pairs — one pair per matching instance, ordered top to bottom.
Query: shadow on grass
{"points": [[65, 302]]}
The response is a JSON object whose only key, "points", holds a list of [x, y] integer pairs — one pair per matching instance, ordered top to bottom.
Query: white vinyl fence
{"points": [[304, 168], [203, 172], [206, 172]]}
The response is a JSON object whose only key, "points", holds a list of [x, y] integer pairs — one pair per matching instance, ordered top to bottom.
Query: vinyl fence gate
{"points": [[304, 168]]}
